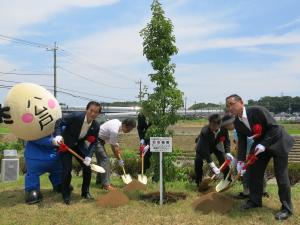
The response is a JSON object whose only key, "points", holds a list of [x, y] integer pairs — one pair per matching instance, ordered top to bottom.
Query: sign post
{"points": [[161, 144]]}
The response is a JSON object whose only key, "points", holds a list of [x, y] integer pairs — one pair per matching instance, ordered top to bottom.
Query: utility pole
{"points": [[54, 49], [54, 67], [140, 92], [185, 100]]}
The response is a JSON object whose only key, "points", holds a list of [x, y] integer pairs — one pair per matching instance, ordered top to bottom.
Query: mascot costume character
{"points": [[30, 111]]}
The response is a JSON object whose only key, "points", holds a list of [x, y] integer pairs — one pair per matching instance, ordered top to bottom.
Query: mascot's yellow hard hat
{"points": [[33, 110]]}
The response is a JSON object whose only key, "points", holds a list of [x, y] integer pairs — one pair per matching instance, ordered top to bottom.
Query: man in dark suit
{"points": [[142, 127], [79, 131], [212, 139], [270, 141]]}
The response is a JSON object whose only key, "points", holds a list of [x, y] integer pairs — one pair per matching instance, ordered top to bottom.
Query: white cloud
{"points": [[16, 15], [294, 22], [221, 43], [111, 48], [5, 66], [213, 82]]}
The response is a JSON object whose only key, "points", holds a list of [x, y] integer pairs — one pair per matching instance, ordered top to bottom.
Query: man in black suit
{"points": [[142, 127], [79, 131], [212, 139], [270, 141]]}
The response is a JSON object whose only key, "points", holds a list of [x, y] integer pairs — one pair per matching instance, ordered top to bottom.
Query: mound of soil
{"points": [[134, 186], [206, 190], [169, 197], [113, 199], [213, 202]]}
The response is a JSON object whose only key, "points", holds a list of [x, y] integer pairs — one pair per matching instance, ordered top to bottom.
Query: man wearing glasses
{"points": [[270, 141]]}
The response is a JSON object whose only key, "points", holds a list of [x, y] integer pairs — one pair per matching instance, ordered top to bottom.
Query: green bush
{"points": [[18, 145], [132, 164], [171, 171], [294, 173]]}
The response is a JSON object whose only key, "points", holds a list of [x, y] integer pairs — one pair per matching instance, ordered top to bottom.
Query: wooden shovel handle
{"points": [[74, 153], [142, 164]]}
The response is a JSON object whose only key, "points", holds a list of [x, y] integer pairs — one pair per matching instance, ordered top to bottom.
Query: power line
{"points": [[22, 41], [86, 59], [29, 74], [91, 80], [63, 90]]}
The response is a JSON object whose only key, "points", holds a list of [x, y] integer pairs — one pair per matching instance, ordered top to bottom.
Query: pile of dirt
{"points": [[135, 186], [206, 190], [169, 197], [113, 199], [213, 202]]}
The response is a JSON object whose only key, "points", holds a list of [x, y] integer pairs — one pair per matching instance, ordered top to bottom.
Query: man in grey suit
{"points": [[270, 141]]}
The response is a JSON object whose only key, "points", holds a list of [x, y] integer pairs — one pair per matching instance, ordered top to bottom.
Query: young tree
{"points": [[166, 99]]}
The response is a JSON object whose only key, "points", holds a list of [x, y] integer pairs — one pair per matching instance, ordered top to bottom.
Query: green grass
{"points": [[292, 128], [3, 129], [13, 210]]}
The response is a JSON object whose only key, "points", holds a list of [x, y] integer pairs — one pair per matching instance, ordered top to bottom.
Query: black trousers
{"points": [[147, 158], [66, 159], [199, 164], [256, 176]]}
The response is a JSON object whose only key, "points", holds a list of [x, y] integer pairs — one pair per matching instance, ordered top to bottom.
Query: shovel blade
{"points": [[97, 168], [126, 178], [142, 179], [223, 185]]}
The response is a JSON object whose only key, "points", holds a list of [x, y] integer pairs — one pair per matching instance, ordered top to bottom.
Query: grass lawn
{"points": [[3, 129], [13, 210]]}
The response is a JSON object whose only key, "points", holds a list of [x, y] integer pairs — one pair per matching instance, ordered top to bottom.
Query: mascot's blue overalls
{"points": [[41, 157]]}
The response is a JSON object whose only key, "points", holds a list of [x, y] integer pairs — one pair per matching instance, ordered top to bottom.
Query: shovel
{"points": [[94, 167], [125, 177], [141, 177], [206, 181], [225, 182], [225, 186]]}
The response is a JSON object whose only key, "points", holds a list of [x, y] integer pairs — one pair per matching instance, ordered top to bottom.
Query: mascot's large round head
{"points": [[33, 110]]}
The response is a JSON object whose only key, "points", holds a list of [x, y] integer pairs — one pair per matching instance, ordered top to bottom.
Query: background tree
{"points": [[158, 47], [277, 104]]}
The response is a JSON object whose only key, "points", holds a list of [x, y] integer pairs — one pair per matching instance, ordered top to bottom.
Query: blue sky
{"points": [[225, 46]]}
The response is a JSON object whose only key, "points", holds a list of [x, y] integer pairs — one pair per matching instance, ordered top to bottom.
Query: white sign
{"points": [[161, 144]]}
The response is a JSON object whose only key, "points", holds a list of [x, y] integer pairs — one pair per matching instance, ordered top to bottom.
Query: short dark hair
{"points": [[235, 96], [97, 104], [215, 118], [227, 119], [129, 122]]}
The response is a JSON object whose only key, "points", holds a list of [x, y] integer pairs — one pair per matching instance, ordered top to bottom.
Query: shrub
{"points": [[18, 145], [132, 164], [294, 173]]}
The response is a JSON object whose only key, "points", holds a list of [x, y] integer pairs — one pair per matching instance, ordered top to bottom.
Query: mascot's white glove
{"points": [[57, 140], [142, 141], [259, 149], [229, 156], [87, 161], [239, 167], [214, 168]]}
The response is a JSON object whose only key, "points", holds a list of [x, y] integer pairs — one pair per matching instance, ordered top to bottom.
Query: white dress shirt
{"points": [[244, 118], [85, 127], [109, 131]]}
